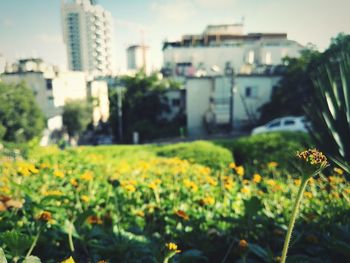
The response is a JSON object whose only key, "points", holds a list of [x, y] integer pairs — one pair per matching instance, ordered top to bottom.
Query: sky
{"points": [[32, 28]]}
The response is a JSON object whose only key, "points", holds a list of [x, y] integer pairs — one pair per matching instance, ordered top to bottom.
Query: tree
{"points": [[296, 87], [142, 105], [77, 115], [20, 117]]}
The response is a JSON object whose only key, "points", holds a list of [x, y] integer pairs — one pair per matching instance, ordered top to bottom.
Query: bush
{"points": [[257, 150], [201, 152]]}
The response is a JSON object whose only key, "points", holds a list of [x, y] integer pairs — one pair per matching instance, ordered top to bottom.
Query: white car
{"points": [[283, 124]]}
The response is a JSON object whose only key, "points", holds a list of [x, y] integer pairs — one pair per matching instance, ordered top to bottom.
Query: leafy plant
{"points": [[329, 109]]}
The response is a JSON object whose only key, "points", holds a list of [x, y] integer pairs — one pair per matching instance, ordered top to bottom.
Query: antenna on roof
{"points": [[242, 20]]}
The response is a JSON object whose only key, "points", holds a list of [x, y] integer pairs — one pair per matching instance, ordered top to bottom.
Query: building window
{"points": [[250, 58], [268, 58], [49, 84], [250, 92], [175, 102]]}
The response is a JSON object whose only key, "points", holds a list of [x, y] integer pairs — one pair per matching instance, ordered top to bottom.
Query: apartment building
{"points": [[87, 33]]}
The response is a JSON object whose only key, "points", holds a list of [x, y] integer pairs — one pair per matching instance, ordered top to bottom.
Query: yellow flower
{"points": [[272, 164], [44, 165], [232, 165], [240, 170], [338, 170], [59, 174], [87, 176], [256, 178], [210, 180], [73, 182], [245, 182], [271, 182], [297, 182], [191, 185], [228, 185], [130, 188], [4, 189], [245, 190], [53, 192], [308, 195], [335, 195], [85, 198], [209, 200], [140, 213], [172, 247], [68, 260]]}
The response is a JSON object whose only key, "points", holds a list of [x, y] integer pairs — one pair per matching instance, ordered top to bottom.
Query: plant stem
{"points": [[301, 191], [70, 237], [33, 244]]}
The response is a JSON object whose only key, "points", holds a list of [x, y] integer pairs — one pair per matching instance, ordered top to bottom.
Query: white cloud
{"points": [[215, 3], [175, 11], [7, 23], [131, 25], [50, 38]]}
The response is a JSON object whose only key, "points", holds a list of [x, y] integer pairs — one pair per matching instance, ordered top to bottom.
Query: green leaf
{"points": [[16, 242], [259, 251], [192, 255], [2, 256], [31, 259], [302, 259]]}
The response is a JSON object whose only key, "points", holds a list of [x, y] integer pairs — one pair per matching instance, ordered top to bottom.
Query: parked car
{"points": [[289, 123]]}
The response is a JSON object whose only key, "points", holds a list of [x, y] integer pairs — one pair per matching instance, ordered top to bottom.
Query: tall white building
{"points": [[87, 33], [222, 46], [138, 58]]}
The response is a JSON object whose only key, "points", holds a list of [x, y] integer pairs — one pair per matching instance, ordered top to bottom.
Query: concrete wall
{"points": [[237, 54], [99, 90], [198, 92], [245, 108]]}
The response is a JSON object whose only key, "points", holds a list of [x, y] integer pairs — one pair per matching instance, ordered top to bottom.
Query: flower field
{"points": [[128, 204]]}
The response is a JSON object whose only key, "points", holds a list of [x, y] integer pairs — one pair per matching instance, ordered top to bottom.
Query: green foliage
{"points": [[295, 89], [142, 106], [329, 109], [76, 116], [20, 118], [257, 150], [205, 153], [123, 204], [2, 256]]}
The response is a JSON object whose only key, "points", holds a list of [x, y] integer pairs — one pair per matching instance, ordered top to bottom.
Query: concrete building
{"points": [[87, 33], [221, 46], [138, 58], [2, 63], [53, 88], [98, 90], [176, 100], [220, 103]]}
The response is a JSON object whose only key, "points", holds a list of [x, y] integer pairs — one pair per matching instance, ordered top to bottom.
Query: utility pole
{"points": [[120, 110]]}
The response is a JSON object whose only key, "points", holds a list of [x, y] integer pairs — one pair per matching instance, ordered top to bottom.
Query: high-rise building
{"points": [[87, 32], [138, 57]]}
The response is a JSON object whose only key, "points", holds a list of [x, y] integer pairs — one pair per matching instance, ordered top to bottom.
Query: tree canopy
{"points": [[296, 88], [142, 105], [77, 115], [20, 117]]}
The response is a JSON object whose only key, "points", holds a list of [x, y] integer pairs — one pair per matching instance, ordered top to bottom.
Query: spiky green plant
{"points": [[329, 109]]}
